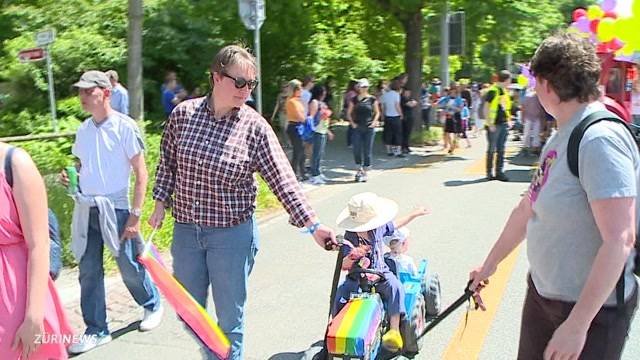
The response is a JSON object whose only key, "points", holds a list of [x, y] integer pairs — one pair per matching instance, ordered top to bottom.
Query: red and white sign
{"points": [[34, 54]]}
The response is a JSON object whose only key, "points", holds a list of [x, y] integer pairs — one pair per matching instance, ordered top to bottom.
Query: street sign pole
{"points": [[256, 39], [52, 96]]}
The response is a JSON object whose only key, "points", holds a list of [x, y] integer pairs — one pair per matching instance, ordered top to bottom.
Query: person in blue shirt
{"points": [[119, 95]]}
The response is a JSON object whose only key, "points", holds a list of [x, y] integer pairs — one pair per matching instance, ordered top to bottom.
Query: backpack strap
{"points": [[578, 133], [573, 150], [8, 172]]}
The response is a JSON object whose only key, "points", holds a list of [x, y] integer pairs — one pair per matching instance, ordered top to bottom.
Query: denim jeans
{"points": [[496, 141], [319, 144], [363, 145], [297, 158], [55, 249], [222, 258], [134, 275]]}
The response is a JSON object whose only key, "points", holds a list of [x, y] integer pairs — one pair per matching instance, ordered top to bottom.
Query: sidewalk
{"points": [[124, 314]]}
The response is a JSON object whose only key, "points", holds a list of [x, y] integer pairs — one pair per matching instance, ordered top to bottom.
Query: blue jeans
{"points": [[496, 141], [319, 144], [363, 145], [222, 258], [134, 275]]}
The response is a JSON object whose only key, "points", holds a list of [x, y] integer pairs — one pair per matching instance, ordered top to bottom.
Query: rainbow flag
{"points": [[189, 310], [353, 331]]}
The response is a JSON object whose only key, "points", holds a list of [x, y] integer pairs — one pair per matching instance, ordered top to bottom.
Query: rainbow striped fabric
{"points": [[191, 312], [353, 331]]}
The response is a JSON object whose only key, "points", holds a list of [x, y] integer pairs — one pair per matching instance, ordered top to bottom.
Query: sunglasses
{"points": [[240, 82]]}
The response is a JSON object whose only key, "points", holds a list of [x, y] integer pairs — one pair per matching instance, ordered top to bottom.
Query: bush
{"points": [[427, 137]]}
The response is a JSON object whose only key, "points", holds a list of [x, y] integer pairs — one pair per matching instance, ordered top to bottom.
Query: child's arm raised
{"points": [[403, 221]]}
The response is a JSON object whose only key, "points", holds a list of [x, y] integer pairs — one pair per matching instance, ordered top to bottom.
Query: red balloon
{"points": [[578, 13], [610, 14], [593, 25], [615, 44], [602, 48]]}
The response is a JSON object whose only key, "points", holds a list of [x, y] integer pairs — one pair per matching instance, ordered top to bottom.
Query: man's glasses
{"points": [[240, 82]]}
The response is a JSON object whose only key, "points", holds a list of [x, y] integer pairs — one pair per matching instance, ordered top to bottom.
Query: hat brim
{"points": [[85, 84], [385, 208]]}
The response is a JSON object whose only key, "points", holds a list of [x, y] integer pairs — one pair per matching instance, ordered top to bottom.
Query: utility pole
{"points": [[444, 45], [134, 57]]}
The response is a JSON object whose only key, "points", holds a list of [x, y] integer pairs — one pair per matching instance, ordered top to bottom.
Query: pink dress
{"points": [[13, 290]]}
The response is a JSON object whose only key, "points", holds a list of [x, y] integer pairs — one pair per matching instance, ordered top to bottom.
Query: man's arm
{"points": [[142, 178]]}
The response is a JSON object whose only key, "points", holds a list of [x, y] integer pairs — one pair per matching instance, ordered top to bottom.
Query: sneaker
{"points": [[389, 154], [358, 175], [364, 177], [501, 177], [324, 178], [317, 180], [151, 319], [392, 340], [89, 342]]}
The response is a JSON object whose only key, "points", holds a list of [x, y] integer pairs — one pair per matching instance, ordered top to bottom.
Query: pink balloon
{"points": [[608, 5], [583, 24]]}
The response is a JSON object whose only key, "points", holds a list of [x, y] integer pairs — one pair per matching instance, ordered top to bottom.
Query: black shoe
{"points": [[389, 154], [401, 155], [490, 177], [502, 177]]}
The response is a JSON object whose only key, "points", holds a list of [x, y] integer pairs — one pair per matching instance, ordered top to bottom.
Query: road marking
{"points": [[479, 167], [468, 344]]}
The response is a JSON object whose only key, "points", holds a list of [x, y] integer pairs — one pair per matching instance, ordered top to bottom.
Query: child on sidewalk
{"points": [[367, 219], [398, 243]]}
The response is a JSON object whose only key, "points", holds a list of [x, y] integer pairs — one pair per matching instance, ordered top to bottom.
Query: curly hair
{"points": [[570, 64]]}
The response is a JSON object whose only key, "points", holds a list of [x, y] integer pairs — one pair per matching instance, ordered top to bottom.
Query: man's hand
{"points": [[374, 124], [353, 125], [63, 178], [155, 221], [132, 228], [325, 236], [479, 279], [567, 342]]}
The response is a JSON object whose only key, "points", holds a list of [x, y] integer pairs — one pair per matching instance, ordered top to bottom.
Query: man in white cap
{"points": [[108, 146]]}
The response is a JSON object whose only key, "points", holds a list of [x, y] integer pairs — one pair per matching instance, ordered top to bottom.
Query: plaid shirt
{"points": [[209, 164]]}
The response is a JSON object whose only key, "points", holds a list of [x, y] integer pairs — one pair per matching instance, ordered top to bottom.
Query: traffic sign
{"points": [[252, 12], [45, 37], [34, 54]]}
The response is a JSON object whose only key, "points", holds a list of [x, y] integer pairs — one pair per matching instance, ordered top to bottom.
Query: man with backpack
{"points": [[579, 217]]}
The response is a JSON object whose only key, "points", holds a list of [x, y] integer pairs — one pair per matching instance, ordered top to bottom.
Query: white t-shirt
{"points": [[389, 100], [635, 103], [105, 151], [404, 263]]}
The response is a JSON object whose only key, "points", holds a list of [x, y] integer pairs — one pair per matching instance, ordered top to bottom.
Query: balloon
{"points": [[608, 5], [594, 12], [578, 13], [610, 14], [583, 24], [593, 26], [606, 29], [616, 44]]}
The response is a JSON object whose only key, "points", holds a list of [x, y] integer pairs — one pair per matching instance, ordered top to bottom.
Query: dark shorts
{"points": [[541, 317]]}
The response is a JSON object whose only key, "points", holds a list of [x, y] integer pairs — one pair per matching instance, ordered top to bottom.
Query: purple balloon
{"points": [[608, 5], [583, 24]]}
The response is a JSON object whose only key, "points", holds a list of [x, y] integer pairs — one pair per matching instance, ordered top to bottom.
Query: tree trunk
{"points": [[134, 54], [413, 61]]}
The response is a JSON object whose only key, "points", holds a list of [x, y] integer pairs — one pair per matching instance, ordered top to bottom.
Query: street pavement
{"points": [[289, 289]]}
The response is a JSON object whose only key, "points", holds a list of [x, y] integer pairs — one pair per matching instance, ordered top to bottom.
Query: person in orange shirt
{"points": [[296, 117]]}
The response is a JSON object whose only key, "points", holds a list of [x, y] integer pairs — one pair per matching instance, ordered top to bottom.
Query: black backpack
{"points": [[572, 158]]}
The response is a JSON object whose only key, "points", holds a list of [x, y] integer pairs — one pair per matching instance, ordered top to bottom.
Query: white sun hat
{"points": [[366, 211], [400, 234]]}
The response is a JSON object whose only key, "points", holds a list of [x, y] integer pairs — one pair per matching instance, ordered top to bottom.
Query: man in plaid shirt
{"points": [[211, 147]]}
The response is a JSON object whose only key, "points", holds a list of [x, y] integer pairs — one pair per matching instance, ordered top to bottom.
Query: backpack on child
{"points": [[572, 158]]}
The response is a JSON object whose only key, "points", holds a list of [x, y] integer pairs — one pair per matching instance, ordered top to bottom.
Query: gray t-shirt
{"points": [[562, 236]]}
